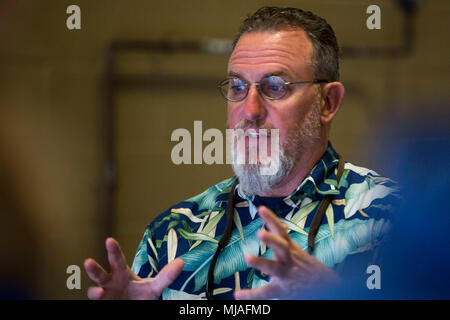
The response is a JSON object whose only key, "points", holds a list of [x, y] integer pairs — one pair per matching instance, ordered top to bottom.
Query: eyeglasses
{"points": [[272, 87]]}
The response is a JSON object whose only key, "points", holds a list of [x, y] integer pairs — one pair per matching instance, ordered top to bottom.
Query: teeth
{"points": [[252, 133], [255, 134]]}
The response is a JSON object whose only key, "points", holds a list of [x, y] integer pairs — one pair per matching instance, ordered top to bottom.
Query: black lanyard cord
{"points": [[320, 213], [314, 228], [222, 242]]}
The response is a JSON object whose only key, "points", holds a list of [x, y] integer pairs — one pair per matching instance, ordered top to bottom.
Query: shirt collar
{"points": [[322, 177], [320, 181]]}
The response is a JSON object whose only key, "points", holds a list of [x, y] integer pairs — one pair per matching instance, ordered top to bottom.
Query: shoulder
{"points": [[364, 189], [188, 210], [175, 229]]}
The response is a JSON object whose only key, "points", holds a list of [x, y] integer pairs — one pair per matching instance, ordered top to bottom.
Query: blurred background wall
{"points": [[51, 120]]}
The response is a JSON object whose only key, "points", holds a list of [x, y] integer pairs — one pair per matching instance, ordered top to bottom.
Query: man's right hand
{"points": [[122, 283]]}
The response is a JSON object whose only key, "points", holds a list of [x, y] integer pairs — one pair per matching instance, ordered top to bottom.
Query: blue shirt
{"points": [[355, 223]]}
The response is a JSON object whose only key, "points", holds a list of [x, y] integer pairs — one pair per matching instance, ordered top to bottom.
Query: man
{"points": [[283, 235]]}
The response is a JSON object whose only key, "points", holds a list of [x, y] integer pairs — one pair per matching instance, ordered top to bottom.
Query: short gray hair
{"points": [[325, 57]]}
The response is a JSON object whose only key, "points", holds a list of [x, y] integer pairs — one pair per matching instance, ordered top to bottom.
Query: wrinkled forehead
{"points": [[288, 51]]}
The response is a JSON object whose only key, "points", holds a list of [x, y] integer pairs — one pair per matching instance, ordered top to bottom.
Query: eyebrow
{"points": [[276, 73], [234, 74]]}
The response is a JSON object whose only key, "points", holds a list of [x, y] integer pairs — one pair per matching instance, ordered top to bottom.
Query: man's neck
{"points": [[305, 164]]}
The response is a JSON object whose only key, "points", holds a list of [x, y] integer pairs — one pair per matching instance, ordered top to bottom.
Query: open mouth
{"points": [[255, 133], [252, 134]]}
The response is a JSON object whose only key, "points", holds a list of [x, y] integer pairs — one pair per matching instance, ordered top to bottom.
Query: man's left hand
{"points": [[293, 272]]}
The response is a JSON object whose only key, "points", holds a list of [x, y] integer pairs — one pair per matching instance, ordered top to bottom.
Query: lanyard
{"points": [[314, 228]]}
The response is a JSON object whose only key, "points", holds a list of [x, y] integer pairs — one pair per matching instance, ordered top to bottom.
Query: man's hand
{"points": [[293, 272], [122, 283]]}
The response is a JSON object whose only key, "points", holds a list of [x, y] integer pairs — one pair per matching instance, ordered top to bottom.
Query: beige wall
{"points": [[50, 142]]}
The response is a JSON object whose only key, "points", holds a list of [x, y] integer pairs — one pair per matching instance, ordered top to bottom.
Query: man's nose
{"points": [[254, 105]]}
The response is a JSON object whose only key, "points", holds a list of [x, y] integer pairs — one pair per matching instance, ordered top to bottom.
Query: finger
{"points": [[272, 222], [279, 245], [116, 257], [270, 267], [96, 272], [167, 275], [265, 292], [95, 293]]}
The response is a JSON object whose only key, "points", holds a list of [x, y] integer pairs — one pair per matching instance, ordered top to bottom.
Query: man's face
{"points": [[296, 115]]}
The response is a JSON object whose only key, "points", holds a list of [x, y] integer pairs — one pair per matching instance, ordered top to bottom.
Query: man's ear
{"points": [[332, 96]]}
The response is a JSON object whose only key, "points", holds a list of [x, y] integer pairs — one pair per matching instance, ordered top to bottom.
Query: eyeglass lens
{"points": [[272, 87]]}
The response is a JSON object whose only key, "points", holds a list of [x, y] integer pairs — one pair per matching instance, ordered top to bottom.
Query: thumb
{"points": [[167, 275]]}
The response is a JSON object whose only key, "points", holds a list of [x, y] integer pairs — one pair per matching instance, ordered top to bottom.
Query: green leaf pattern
{"points": [[334, 242]]}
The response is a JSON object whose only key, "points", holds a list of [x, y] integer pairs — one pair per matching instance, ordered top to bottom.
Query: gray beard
{"points": [[298, 142]]}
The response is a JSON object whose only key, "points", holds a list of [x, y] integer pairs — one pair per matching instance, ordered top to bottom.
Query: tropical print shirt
{"points": [[354, 224]]}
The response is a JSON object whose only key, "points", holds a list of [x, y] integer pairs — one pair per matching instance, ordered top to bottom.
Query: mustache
{"points": [[253, 125]]}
